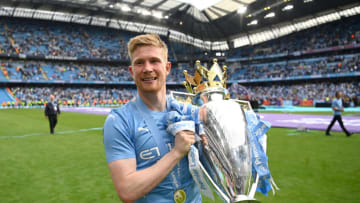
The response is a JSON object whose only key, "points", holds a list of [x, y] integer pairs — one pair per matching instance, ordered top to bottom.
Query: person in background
{"points": [[337, 107], [51, 111]]}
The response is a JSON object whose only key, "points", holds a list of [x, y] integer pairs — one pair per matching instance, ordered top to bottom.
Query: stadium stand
{"points": [[327, 37], [48, 39], [37, 52], [338, 65], [304, 94], [38, 96]]}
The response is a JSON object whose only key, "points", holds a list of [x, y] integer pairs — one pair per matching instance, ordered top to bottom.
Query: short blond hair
{"points": [[146, 40]]}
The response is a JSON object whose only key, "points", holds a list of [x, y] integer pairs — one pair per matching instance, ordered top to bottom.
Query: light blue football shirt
{"points": [[338, 104], [127, 135]]}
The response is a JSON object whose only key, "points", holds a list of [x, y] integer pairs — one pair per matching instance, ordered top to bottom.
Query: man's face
{"points": [[149, 69], [339, 95]]}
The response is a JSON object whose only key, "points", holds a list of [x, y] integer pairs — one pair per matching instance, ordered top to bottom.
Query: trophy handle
{"points": [[175, 94], [245, 104], [253, 187], [223, 196]]}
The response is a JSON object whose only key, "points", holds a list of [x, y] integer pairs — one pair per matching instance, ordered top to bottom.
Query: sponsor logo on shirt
{"points": [[150, 153]]}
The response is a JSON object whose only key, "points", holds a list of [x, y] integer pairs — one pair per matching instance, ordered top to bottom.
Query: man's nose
{"points": [[147, 66]]}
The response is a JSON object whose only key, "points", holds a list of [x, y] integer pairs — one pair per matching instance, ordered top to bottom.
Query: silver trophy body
{"points": [[226, 160]]}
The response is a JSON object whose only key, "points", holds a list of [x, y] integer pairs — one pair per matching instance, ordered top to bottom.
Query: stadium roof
{"points": [[204, 20]]}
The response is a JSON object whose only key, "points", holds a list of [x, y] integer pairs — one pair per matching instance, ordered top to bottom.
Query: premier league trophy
{"points": [[233, 161]]}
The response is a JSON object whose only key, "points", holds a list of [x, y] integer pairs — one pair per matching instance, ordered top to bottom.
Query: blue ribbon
{"points": [[184, 112], [257, 130]]}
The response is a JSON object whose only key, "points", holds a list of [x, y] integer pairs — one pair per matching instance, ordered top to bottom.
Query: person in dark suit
{"points": [[51, 111]]}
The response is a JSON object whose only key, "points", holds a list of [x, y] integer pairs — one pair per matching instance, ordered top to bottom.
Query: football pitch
{"points": [[70, 166]]}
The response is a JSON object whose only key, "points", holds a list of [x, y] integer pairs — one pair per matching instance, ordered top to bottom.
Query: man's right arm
{"points": [[46, 110], [132, 184]]}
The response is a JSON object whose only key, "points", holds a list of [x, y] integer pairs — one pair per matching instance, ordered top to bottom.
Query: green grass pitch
{"points": [[70, 165]]}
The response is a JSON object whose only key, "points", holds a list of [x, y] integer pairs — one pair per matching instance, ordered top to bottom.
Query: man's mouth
{"points": [[149, 79]]}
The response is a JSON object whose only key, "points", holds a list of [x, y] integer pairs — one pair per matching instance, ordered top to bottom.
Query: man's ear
{"points": [[168, 67], [130, 68]]}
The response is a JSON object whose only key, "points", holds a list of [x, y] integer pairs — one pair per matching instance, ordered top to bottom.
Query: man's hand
{"points": [[202, 114], [204, 140], [183, 141]]}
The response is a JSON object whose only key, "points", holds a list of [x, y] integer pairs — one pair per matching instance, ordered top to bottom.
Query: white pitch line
{"points": [[61, 132]]}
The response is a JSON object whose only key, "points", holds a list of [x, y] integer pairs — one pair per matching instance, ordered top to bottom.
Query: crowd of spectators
{"points": [[339, 33], [37, 38], [40, 38], [52, 39], [296, 68], [38, 71], [66, 71], [69, 71], [296, 94], [73, 96]]}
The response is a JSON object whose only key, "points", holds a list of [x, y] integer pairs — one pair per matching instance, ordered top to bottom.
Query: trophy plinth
{"points": [[243, 199]]}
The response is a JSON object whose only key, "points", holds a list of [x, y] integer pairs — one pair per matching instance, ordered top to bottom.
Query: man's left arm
{"points": [[58, 109], [46, 110]]}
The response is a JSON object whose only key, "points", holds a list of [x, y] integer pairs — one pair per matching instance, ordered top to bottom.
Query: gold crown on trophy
{"points": [[215, 77]]}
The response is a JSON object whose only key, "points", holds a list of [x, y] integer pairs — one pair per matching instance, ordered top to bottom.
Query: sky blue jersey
{"points": [[338, 104], [127, 135]]}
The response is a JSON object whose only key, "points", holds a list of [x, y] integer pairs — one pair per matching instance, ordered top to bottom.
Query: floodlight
{"points": [[287, 7], [125, 8], [241, 10], [145, 12], [157, 14], [270, 15], [254, 22]]}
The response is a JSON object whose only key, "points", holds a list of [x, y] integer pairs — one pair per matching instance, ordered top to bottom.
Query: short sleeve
{"points": [[117, 142]]}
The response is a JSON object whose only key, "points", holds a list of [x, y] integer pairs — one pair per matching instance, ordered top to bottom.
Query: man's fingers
{"points": [[189, 137], [204, 140]]}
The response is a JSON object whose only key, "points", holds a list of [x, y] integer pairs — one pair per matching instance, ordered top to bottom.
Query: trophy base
{"points": [[243, 198]]}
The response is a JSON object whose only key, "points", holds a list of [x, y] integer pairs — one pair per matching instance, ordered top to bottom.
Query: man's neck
{"points": [[154, 101]]}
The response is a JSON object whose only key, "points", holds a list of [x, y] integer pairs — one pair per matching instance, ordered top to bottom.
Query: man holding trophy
{"points": [[149, 142], [142, 169]]}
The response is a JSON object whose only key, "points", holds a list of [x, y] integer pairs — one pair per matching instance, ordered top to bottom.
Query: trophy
{"points": [[227, 159]]}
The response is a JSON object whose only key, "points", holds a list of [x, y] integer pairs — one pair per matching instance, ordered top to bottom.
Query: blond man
{"points": [[147, 164]]}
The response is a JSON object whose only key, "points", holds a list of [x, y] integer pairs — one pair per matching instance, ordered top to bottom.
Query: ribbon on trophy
{"points": [[186, 117], [257, 129]]}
